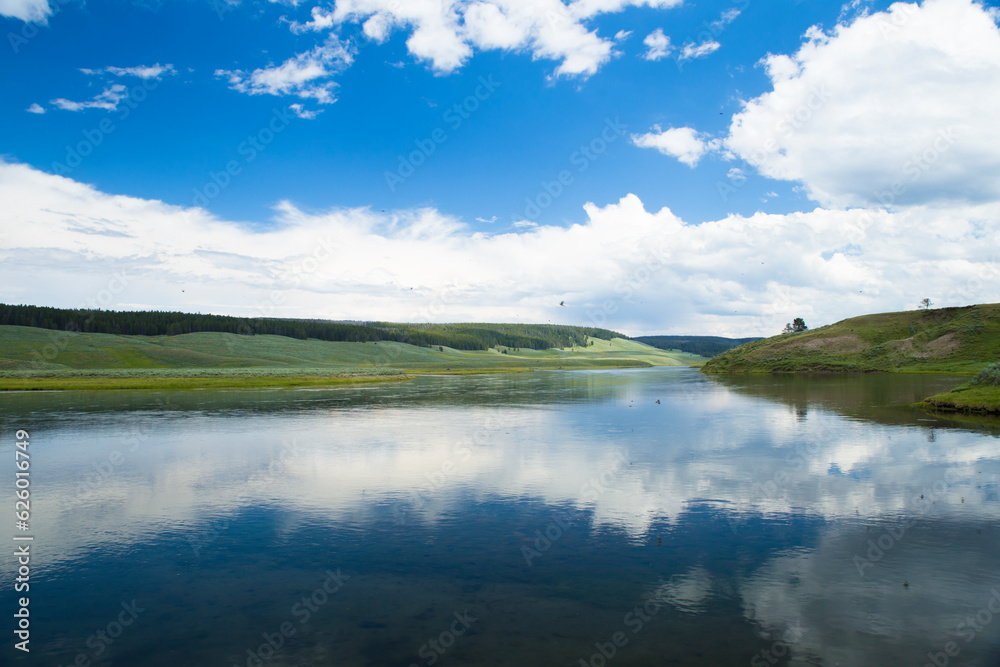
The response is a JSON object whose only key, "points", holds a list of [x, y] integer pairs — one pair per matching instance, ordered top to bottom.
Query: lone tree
{"points": [[925, 304], [798, 324]]}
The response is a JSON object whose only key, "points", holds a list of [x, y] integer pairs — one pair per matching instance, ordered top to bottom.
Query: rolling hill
{"points": [[943, 340], [34, 358]]}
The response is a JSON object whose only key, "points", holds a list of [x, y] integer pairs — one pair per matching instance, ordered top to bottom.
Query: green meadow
{"points": [[32, 358]]}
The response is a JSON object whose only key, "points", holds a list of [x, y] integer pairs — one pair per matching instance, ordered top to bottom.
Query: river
{"points": [[614, 517]]}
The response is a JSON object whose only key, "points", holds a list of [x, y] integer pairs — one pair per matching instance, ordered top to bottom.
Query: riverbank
{"points": [[159, 381], [979, 396]]}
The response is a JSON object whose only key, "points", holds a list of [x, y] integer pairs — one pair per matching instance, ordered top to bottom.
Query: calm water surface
{"points": [[653, 517]]}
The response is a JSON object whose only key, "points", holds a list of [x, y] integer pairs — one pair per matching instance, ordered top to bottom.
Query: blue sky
{"points": [[725, 135]]}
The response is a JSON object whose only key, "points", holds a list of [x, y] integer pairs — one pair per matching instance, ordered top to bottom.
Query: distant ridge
{"points": [[705, 346]]}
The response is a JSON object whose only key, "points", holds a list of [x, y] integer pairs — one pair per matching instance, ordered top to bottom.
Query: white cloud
{"points": [[586, 9], [853, 9], [29, 11], [725, 18], [321, 20], [445, 32], [622, 35], [657, 45], [692, 51], [143, 71], [307, 75], [112, 94], [107, 99], [898, 107], [35, 108], [302, 112], [683, 143], [737, 276]]}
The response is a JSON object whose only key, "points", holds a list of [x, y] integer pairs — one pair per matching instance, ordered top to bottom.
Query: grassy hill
{"points": [[945, 340], [705, 346], [33, 358]]}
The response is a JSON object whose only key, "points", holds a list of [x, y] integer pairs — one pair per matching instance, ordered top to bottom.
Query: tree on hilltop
{"points": [[797, 325]]}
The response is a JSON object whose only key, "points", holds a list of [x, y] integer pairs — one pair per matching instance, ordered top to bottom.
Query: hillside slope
{"points": [[944, 340], [33, 358]]}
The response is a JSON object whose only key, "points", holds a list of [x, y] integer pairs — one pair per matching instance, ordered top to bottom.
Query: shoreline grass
{"points": [[157, 380], [91, 381], [166, 384], [981, 395], [965, 399]]}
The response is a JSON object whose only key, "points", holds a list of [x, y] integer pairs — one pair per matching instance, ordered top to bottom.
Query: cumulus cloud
{"points": [[29, 11], [321, 20], [444, 33], [657, 45], [306, 75], [107, 99], [901, 105], [35, 108], [683, 143], [622, 267]]}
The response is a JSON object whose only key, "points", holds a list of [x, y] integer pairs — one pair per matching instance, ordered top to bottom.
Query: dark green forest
{"points": [[164, 323], [706, 346]]}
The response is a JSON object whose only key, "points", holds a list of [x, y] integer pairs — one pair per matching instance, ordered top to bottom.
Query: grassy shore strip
{"points": [[191, 378], [260, 378], [161, 383], [979, 396], [967, 399]]}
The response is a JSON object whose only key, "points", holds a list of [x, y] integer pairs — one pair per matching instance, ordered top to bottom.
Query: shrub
{"points": [[989, 375]]}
